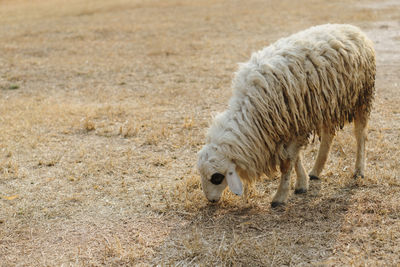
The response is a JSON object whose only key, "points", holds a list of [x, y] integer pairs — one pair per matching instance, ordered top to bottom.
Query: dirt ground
{"points": [[104, 105]]}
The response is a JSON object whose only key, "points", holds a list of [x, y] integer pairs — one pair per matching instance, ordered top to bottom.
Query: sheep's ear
{"points": [[233, 180]]}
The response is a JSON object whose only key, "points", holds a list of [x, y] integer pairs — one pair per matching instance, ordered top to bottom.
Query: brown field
{"points": [[104, 105]]}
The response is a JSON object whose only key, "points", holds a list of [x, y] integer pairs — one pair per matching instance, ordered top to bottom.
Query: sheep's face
{"points": [[216, 173]]}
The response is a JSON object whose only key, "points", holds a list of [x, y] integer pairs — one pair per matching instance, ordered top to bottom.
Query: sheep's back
{"points": [[316, 78]]}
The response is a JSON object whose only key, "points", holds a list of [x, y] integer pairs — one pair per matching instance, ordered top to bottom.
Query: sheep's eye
{"points": [[217, 178]]}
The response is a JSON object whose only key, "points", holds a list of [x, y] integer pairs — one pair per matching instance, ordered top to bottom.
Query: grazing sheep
{"points": [[312, 82]]}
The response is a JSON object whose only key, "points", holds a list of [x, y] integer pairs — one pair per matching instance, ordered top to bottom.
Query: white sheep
{"points": [[312, 82]]}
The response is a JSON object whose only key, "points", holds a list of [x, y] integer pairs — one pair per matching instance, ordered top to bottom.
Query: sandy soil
{"points": [[104, 105]]}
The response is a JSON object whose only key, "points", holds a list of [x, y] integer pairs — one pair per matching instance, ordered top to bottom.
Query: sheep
{"points": [[309, 84]]}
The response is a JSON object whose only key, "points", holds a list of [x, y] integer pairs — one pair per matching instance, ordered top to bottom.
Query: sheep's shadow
{"points": [[303, 231]]}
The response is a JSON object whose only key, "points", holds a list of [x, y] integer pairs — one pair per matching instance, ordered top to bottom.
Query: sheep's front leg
{"points": [[324, 147], [302, 178], [283, 189]]}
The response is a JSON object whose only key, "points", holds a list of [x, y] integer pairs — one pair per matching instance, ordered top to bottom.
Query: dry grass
{"points": [[104, 104]]}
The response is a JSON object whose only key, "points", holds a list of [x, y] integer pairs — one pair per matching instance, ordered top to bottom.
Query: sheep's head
{"points": [[216, 173]]}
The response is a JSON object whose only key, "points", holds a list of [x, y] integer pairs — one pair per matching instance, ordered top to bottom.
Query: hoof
{"points": [[356, 175], [313, 177], [300, 191], [277, 204]]}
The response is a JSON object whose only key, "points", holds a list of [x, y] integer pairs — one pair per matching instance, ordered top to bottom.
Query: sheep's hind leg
{"points": [[360, 132], [324, 147], [301, 186]]}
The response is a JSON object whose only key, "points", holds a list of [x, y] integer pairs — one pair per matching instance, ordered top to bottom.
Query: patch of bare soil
{"points": [[104, 105]]}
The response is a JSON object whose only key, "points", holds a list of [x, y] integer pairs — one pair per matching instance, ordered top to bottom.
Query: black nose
{"points": [[213, 200]]}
